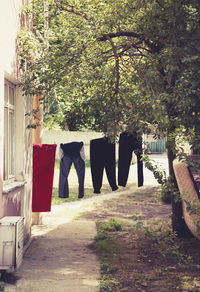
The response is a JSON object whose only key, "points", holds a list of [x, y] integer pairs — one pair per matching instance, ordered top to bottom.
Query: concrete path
{"points": [[59, 258]]}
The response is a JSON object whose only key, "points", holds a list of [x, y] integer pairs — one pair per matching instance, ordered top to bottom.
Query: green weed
{"points": [[57, 164], [73, 196], [112, 225], [165, 242], [106, 247], [107, 283], [2, 286]]}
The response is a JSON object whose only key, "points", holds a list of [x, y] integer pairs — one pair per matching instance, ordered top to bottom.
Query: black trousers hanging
{"points": [[127, 144], [71, 154], [102, 155]]}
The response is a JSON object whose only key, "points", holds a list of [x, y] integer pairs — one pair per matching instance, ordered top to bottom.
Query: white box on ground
{"points": [[11, 242]]}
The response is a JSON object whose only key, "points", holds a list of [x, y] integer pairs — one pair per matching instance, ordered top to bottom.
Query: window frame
{"points": [[9, 132]]}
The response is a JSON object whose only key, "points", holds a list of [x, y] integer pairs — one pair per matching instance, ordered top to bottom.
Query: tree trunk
{"points": [[178, 223]]}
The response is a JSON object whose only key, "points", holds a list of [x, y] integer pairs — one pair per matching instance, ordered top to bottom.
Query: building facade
{"points": [[15, 138]]}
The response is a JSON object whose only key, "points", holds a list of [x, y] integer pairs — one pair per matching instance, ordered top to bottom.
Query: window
{"points": [[9, 131]]}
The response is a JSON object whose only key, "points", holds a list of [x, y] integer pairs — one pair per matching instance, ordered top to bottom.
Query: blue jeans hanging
{"points": [[65, 166]]}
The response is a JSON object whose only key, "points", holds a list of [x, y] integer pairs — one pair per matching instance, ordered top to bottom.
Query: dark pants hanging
{"points": [[127, 144], [102, 155], [65, 166], [140, 174]]}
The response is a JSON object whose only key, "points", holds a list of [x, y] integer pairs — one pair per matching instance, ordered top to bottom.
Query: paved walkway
{"points": [[59, 258]]}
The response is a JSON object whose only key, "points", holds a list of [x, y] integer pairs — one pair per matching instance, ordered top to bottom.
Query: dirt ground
{"points": [[63, 255], [143, 256], [149, 258]]}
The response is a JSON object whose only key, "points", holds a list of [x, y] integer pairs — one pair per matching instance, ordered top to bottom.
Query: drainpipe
{"points": [[37, 139]]}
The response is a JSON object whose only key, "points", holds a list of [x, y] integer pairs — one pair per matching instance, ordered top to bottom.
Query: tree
{"points": [[133, 60]]}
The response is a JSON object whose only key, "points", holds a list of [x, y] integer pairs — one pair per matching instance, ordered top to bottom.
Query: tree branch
{"points": [[71, 10], [120, 34], [153, 47], [117, 63], [117, 70]]}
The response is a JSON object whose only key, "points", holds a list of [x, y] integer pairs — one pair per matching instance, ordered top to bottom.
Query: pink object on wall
{"points": [[43, 172], [11, 208]]}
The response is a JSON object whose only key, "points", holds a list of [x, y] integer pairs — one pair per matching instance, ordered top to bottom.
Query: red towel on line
{"points": [[43, 172]]}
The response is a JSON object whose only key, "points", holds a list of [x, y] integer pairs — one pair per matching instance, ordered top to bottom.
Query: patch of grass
{"points": [[57, 163], [87, 163], [73, 189], [73, 196], [57, 201], [82, 215], [136, 216], [111, 225], [103, 229], [165, 242], [106, 247], [144, 257], [107, 283], [190, 284], [2, 286]]}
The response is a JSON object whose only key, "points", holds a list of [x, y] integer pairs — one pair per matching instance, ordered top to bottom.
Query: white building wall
{"points": [[9, 27], [1, 136], [16, 198]]}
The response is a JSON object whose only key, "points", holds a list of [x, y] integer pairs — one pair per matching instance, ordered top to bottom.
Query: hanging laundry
{"points": [[127, 144], [71, 153], [102, 155], [43, 172]]}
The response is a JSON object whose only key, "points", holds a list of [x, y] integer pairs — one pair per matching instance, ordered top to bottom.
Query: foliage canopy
{"points": [[108, 61], [100, 63]]}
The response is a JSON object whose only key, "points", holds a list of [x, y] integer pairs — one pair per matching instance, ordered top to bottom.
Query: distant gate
{"points": [[158, 146]]}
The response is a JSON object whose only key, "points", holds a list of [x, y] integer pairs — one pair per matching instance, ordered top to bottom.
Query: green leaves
{"points": [[131, 61]]}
